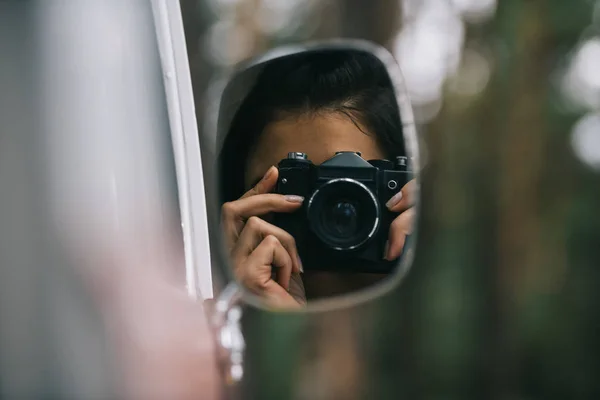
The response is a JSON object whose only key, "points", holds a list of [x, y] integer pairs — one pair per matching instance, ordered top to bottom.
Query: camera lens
{"points": [[343, 214], [343, 218]]}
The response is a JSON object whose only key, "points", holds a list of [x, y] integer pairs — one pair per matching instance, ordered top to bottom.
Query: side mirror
{"points": [[316, 176]]}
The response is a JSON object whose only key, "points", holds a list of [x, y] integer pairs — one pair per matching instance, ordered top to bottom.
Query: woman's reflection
{"points": [[317, 103]]}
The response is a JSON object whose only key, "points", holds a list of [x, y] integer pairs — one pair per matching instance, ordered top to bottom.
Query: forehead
{"points": [[319, 136]]}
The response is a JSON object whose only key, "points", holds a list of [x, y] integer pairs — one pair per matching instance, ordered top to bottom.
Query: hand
{"points": [[402, 226], [256, 246]]}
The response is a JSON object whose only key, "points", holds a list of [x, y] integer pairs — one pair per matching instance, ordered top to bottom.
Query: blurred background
{"points": [[502, 300]]}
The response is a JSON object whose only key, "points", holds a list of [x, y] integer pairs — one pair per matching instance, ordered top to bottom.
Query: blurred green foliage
{"points": [[502, 298]]}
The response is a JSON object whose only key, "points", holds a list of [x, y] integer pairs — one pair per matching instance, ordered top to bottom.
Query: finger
{"points": [[266, 184], [404, 199], [261, 204], [234, 214], [231, 227], [399, 229], [255, 231], [271, 252], [255, 271], [255, 274], [297, 290]]}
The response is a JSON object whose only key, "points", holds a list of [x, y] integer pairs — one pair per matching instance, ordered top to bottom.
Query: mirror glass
{"points": [[316, 174]]}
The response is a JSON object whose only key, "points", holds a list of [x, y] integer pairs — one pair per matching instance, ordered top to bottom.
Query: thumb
{"points": [[266, 184]]}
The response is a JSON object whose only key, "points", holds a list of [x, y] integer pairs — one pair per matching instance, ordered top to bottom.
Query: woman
{"points": [[317, 103]]}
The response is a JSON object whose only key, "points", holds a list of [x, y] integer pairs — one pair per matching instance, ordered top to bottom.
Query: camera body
{"points": [[343, 224]]}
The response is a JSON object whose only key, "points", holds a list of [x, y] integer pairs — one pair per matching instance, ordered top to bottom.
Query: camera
{"points": [[343, 224]]}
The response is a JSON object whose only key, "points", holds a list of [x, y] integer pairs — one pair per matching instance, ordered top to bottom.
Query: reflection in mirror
{"points": [[316, 183]]}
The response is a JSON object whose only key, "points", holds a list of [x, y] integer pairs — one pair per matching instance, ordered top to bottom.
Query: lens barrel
{"points": [[343, 214]]}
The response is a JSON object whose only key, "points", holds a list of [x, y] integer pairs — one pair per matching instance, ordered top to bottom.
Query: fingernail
{"points": [[268, 174], [294, 199], [394, 200], [386, 248], [300, 265]]}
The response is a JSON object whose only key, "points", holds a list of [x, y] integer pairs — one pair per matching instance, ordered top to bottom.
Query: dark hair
{"points": [[354, 83]]}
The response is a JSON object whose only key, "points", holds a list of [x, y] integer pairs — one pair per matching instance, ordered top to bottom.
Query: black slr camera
{"points": [[343, 224]]}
